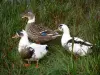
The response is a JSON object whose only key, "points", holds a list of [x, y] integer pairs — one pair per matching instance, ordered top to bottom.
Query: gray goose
{"points": [[38, 33]]}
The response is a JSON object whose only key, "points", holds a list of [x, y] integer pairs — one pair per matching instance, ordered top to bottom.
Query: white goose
{"points": [[80, 47], [30, 51]]}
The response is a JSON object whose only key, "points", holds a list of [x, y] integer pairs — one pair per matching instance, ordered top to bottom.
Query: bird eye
{"points": [[60, 25], [19, 33]]}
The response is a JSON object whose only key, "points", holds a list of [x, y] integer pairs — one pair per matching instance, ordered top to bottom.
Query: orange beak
{"points": [[15, 36]]}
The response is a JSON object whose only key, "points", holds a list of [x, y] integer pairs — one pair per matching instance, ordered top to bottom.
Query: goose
{"points": [[38, 33], [80, 46], [30, 51]]}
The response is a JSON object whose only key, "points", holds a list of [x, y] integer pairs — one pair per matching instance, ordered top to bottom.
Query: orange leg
{"points": [[75, 57], [28, 64], [37, 64], [12, 65]]}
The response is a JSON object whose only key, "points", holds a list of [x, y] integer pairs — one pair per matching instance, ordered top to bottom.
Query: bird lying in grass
{"points": [[37, 32], [77, 45], [30, 51]]}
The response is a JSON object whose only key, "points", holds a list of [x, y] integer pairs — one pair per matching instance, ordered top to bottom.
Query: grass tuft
{"points": [[83, 19]]}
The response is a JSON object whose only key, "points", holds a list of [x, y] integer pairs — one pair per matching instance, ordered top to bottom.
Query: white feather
{"points": [[31, 20], [24, 42], [40, 51]]}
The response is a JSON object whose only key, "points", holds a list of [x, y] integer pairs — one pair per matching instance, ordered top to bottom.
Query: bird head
{"points": [[28, 14], [63, 27], [20, 34]]}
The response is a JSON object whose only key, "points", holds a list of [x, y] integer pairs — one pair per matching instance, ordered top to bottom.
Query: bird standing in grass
{"points": [[37, 32], [79, 47], [30, 51]]}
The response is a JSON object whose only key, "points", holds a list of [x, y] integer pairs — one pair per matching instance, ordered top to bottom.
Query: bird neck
{"points": [[31, 20], [66, 33], [65, 37], [24, 41]]}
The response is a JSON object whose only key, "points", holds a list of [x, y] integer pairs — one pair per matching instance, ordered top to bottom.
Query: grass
{"points": [[83, 19]]}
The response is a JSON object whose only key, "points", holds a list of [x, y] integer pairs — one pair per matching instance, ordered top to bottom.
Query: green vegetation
{"points": [[83, 19]]}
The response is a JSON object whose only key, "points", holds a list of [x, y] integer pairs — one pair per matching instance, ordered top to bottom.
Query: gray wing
{"points": [[37, 29], [27, 53]]}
